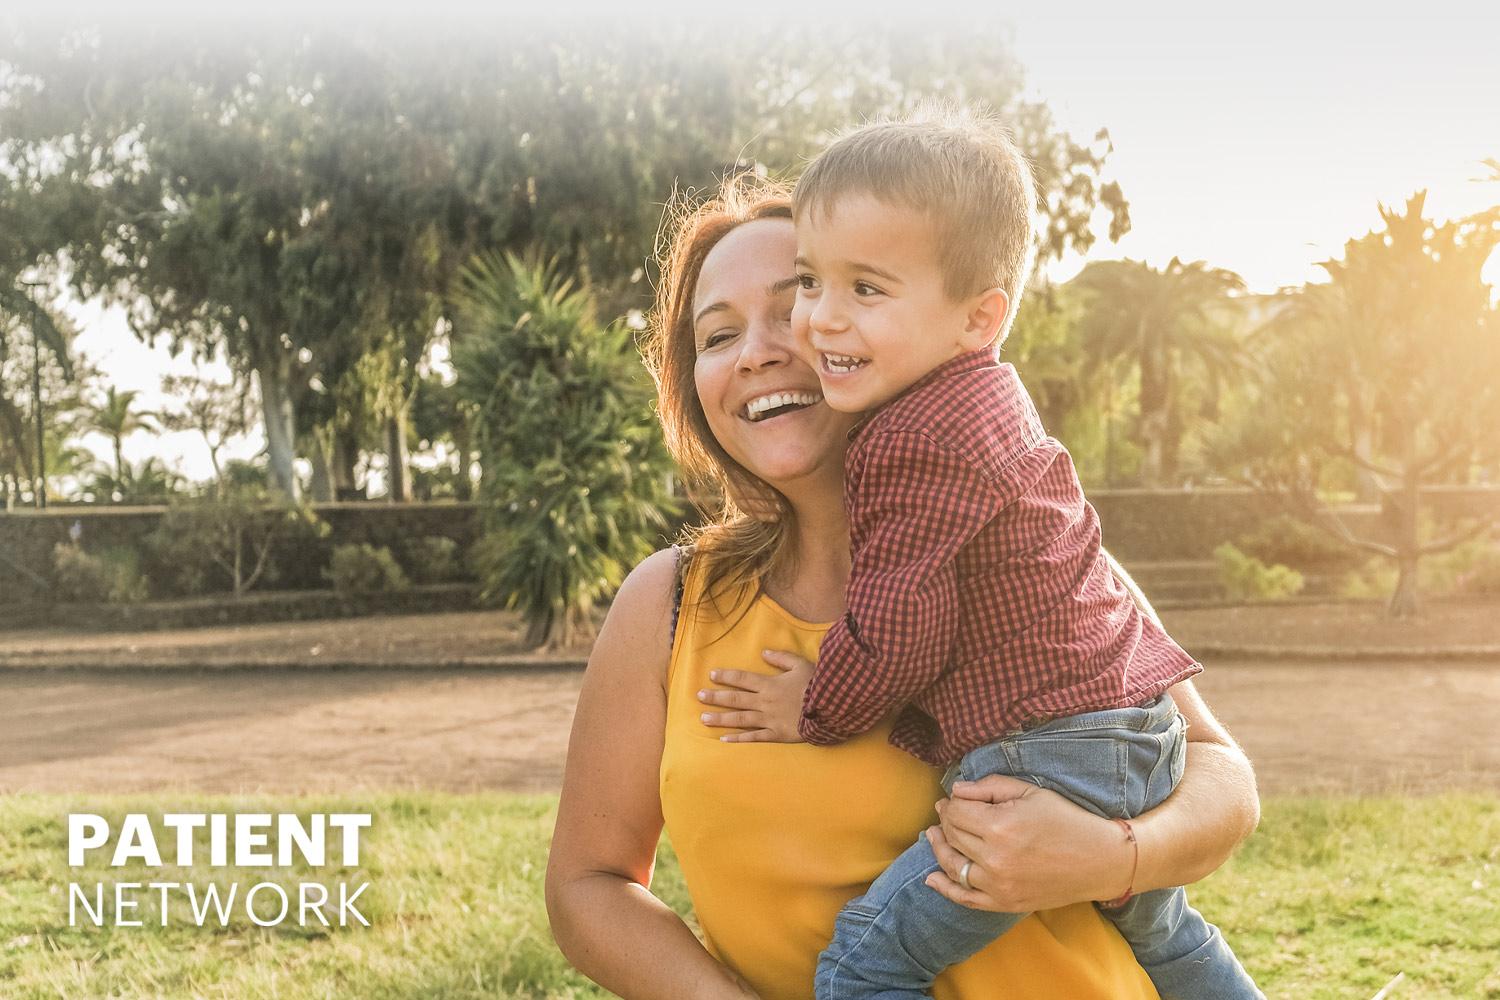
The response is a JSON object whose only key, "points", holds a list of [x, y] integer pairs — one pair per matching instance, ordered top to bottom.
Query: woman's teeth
{"points": [[842, 363], [759, 408]]}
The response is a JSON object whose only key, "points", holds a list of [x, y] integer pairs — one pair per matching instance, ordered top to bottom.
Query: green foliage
{"points": [[301, 209], [1174, 332], [1406, 341], [41, 354], [215, 410], [117, 418], [575, 474], [149, 482], [229, 541], [1295, 543], [432, 559], [365, 569], [1471, 569], [112, 575], [1481, 576], [1246, 578], [1372, 581]]}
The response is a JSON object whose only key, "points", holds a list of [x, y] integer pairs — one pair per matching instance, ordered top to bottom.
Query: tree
{"points": [[199, 179], [301, 199], [1161, 325], [1388, 367], [46, 369], [216, 410], [440, 415], [116, 418], [574, 481], [149, 482], [231, 539]]}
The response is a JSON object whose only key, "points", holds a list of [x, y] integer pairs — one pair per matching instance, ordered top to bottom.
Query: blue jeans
{"points": [[893, 941]]}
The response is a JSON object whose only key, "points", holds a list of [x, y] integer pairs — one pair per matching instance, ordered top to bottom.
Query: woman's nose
{"points": [[765, 344]]}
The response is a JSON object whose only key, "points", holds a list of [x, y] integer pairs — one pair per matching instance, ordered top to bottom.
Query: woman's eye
{"points": [[714, 339]]}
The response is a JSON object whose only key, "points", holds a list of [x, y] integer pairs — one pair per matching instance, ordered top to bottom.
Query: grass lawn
{"points": [[1331, 898]]}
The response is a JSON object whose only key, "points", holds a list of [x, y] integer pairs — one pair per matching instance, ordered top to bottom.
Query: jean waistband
{"points": [[1150, 714]]}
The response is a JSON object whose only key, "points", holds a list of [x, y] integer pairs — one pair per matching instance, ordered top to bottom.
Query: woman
{"points": [[774, 838]]}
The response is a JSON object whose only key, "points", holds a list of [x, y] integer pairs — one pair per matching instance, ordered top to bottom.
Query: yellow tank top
{"points": [[774, 838]]}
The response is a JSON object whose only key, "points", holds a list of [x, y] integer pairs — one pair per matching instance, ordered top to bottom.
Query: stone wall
{"points": [[1140, 526]]}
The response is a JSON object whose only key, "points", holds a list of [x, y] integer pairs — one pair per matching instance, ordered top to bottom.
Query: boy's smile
{"points": [[872, 314]]}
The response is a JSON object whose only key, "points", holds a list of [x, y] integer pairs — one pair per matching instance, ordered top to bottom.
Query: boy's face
{"points": [[871, 315]]}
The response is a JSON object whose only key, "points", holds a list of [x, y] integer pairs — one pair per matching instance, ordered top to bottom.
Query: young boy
{"points": [[980, 603]]}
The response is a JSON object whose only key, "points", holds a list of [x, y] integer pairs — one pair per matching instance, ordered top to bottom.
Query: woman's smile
{"points": [[764, 404], [770, 405]]}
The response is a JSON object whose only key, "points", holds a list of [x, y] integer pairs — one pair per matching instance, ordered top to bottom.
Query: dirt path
{"points": [[1308, 727]]}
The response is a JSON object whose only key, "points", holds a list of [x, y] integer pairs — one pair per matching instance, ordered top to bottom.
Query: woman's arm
{"points": [[1215, 806], [609, 819], [1034, 850]]}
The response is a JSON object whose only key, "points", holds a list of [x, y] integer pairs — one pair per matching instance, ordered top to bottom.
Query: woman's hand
{"points": [[766, 706], [1032, 849]]}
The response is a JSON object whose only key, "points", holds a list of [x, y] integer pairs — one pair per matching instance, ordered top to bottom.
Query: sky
{"points": [[1259, 142], [1262, 143]]}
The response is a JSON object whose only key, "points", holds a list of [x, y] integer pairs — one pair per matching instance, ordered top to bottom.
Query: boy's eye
{"points": [[806, 282], [865, 288]]}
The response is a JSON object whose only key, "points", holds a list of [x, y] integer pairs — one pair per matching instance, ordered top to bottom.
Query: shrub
{"points": [[575, 473], [227, 542], [1295, 543], [432, 559], [1470, 568], [365, 569], [1483, 574], [113, 575], [1246, 578], [1373, 581]]}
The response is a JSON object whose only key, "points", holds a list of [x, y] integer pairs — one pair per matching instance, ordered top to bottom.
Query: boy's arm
{"points": [[913, 505]]}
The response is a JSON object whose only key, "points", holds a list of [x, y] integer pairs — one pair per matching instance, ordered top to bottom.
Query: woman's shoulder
{"points": [[651, 584], [640, 616]]}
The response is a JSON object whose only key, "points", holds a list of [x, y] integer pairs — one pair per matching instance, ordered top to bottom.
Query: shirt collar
{"points": [[985, 357]]}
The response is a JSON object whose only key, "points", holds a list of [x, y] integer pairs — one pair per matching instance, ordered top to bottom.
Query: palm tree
{"points": [[1159, 322], [48, 329], [116, 419], [149, 482]]}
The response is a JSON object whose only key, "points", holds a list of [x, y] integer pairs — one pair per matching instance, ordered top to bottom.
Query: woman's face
{"points": [[763, 404]]}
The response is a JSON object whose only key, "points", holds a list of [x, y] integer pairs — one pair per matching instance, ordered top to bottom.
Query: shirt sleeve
{"points": [[912, 504]]}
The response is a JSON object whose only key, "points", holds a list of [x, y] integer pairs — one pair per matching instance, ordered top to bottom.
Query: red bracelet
{"points": [[1134, 864]]}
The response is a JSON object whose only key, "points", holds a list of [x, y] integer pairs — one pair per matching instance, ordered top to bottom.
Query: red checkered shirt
{"points": [[979, 598]]}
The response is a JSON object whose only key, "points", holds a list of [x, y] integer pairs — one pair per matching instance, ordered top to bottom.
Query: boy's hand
{"points": [[766, 707]]}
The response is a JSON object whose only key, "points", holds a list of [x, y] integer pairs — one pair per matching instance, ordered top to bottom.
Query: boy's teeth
{"points": [[843, 362], [765, 404]]}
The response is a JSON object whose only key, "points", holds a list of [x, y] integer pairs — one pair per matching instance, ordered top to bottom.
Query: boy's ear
{"points": [[986, 319]]}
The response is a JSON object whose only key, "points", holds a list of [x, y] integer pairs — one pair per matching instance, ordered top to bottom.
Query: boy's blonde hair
{"points": [[961, 168]]}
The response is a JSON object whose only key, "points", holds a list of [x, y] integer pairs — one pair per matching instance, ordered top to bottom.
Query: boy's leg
{"points": [[1121, 762], [892, 942], [1185, 955]]}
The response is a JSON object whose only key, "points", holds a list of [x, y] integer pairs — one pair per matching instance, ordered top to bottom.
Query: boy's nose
{"points": [[827, 316]]}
